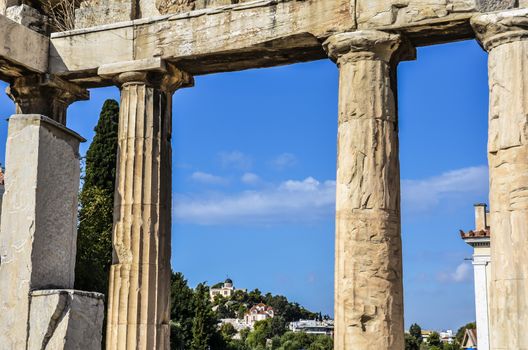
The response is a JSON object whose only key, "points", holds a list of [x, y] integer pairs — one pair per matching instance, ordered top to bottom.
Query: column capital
{"points": [[494, 29], [368, 45], [154, 72], [45, 94]]}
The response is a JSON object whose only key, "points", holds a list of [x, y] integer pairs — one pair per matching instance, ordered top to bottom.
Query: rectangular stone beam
{"points": [[253, 35], [22, 50]]}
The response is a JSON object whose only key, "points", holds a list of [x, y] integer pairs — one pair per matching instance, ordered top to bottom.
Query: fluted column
{"points": [[505, 36], [45, 94], [368, 260], [138, 306]]}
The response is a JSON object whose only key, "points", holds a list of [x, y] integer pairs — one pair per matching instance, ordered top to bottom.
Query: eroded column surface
{"points": [[505, 36], [45, 94], [38, 237], [368, 265], [138, 307]]}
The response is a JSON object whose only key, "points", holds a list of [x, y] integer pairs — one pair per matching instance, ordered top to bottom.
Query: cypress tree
{"points": [[94, 239]]}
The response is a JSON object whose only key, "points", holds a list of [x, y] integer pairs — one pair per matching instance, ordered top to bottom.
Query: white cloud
{"points": [[235, 159], [284, 160], [209, 179], [250, 179], [422, 195], [311, 200], [290, 201], [461, 274]]}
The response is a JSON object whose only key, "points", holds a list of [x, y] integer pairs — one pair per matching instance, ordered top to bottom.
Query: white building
{"points": [[479, 239], [226, 290], [259, 312], [313, 327], [447, 336]]}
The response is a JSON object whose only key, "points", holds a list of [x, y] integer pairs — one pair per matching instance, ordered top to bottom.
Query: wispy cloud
{"points": [[235, 159], [284, 160], [209, 179], [250, 179], [422, 195], [311, 199], [290, 201], [461, 274]]}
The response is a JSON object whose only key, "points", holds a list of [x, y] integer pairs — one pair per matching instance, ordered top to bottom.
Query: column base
{"points": [[65, 319]]}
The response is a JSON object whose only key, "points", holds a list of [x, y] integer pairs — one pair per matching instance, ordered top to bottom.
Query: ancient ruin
{"points": [[52, 51]]}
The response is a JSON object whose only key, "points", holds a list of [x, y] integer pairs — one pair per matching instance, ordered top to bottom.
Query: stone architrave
{"points": [[505, 36], [45, 94], [38, 237], [368, 267], [138, 307]]}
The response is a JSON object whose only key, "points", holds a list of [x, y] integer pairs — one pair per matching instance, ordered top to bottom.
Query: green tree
{"points": [[102, 154], [96, 200], [94, 239], [182, 312], [204, 322], [228, 331], [462, 331], [416, 332], [434, 340], [322, 342], [411, 343]]}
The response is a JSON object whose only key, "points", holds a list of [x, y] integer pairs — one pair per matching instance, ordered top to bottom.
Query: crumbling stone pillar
{"points": [[505, 36], [45, 94], [38, 240], [368, 267], [138, 308]]}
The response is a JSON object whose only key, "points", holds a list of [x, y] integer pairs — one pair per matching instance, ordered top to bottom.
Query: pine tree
{"points": [[94, 239]]}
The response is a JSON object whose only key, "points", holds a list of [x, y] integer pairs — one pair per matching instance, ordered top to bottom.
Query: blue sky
{"points": [[254, 171]]}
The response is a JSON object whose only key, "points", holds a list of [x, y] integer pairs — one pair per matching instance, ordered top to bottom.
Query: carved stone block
{"points": [[65, 319]]}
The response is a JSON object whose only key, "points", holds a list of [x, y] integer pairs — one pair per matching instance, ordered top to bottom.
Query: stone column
{"points": [[505, 36], [45, 94], [38, 238], [368, 261], [480, 270], [138, 305]]}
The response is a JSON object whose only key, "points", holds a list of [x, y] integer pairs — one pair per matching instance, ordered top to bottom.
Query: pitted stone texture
{"points": [[97, 12], [379, 14], [28, 17], [505, 37], [39, 218], [368, 270], [139, 307], [65, 320]]}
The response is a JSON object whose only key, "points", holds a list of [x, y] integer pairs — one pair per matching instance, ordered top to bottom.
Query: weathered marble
{"points": [[505, 36], [16, 42], [47, 94], [38, 236], [368, 261], [138, 306], [65, 319]]}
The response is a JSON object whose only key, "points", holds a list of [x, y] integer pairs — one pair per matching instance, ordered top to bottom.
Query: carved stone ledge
{"points": [[494, 29], [368, 45], [153, 72], [45, 94]]}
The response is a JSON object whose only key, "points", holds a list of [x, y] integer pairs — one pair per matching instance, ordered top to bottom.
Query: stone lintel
{"points": [[494, 29], [370, 44], [22, 50], [154, 64]]}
